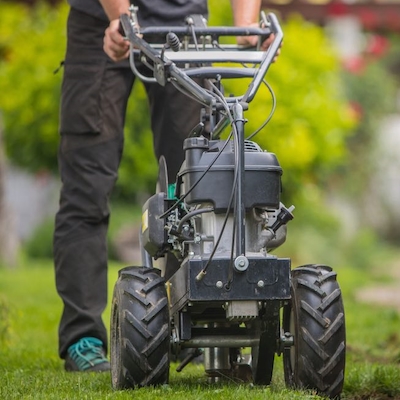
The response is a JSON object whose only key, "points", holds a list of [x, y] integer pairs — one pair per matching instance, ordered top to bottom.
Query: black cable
{"points": [[216, 44], [271, 113], [179, 201], [192, 214], [230, 273]]}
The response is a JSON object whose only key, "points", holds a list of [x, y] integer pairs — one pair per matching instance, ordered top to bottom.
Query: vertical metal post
{"points": [[239, 202]]}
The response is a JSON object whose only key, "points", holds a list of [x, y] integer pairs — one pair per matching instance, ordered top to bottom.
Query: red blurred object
{"points": [[337, 9], [369, 19], [377, 45], [355, 65], [357, 110]]}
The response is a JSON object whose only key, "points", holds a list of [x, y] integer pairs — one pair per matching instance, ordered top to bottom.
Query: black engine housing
{"points": [[262, 182]]}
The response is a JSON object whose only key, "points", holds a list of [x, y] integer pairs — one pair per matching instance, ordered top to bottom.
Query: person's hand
{"points": [[252, 41], [115, 45]]}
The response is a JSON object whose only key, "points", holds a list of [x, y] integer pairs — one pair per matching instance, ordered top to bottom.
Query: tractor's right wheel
{"points": [[315, 320], [140, 337]]}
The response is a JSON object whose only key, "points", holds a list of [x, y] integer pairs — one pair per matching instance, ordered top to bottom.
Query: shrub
{"points": [[32, 42]]}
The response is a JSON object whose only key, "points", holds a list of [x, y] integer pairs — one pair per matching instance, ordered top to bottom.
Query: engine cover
{"points": [[262, 182]]}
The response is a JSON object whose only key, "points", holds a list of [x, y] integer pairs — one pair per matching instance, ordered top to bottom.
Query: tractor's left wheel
{"points": [[140, 333]]}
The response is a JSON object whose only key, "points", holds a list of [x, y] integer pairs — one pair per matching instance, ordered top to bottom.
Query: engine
{"points": [[198, 219]]}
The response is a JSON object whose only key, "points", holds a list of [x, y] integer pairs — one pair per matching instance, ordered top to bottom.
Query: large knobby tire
{"points": [[315, 318], [140, 337]]}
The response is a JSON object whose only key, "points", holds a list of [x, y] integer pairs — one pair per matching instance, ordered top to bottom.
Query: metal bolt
{"points": [[241, 263], [219, 284], [260, 284]]}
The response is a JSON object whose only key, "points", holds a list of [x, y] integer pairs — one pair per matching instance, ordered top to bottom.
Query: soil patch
{"points": [[387, 295]]}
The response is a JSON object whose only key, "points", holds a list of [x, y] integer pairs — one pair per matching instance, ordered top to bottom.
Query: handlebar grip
{"points": [[173, 41]]}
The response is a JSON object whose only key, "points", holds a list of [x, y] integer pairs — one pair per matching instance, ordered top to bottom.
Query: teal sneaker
{"points": [[87, 355]]}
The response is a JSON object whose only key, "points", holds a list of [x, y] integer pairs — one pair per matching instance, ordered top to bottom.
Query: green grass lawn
{"points": [[30, 368]]}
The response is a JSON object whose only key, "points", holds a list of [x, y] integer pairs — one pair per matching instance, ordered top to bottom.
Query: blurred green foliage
{"points": [[32, 43], [313, 118], [307, 132]]}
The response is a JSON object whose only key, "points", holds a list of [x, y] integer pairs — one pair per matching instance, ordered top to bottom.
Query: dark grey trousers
{"points": [[95, 92]]}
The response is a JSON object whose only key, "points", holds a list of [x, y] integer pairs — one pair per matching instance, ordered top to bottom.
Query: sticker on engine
{"points": [[145, 220]]}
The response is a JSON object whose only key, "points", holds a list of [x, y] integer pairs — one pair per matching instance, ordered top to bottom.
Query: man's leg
{"points": [[94, 96]]}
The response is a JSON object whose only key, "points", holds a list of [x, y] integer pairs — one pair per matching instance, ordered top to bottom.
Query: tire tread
{"points": [[141, 303], [320, 321]]}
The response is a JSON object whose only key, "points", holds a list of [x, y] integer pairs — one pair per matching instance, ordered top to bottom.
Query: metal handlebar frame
{"points": [[164, 61], [165, 69]]}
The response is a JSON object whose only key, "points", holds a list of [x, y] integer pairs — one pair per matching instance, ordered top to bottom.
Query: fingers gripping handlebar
{"points": [[165, 62]]}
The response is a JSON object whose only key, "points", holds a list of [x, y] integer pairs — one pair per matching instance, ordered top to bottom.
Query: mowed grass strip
{"points": [[30, 367]]}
